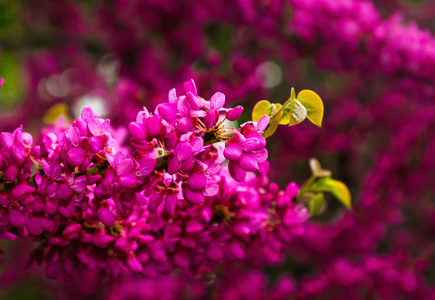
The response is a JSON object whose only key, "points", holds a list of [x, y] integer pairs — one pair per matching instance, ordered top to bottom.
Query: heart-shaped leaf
{"points": [[313, 104], [262, 108]]}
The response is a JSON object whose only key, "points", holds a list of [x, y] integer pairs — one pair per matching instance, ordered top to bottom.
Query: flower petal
{"points": [[172, 96], [217, 101], [168, 111], [262, 124], [233, 151], [260, 155], [248, 162], [146, 166], [236, 172], [197, 181], [211, 190], [193, 197], [155, 201]]}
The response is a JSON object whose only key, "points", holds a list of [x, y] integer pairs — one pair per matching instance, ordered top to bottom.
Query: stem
{"points": [[288, 102], [305, 187]]}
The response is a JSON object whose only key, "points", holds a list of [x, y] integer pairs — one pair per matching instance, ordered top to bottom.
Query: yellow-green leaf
{"points": [[292, 95], [314, 105], [262, 108], [298, 113], [53, 114], [285, 116], [273, 125], [335, 187], [316, 203]]}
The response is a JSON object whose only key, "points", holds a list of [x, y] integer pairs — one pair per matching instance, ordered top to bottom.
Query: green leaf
{"points": [[220, 36], [11, 71], [313, 104], [262, 108], [55, 112], [298, 113], [285, 116], [335, 187], [316, 202]]}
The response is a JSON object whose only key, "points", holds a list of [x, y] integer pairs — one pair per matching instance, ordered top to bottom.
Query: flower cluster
{"points": [[168, 205]]}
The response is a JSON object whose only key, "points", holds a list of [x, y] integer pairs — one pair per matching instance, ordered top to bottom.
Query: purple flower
{"points": [[192, 95], [215, 105], [245, 153], [184, 156], [125, 168], [200, 184]]}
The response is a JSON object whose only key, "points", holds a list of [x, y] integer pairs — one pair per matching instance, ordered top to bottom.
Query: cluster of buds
{"points": [[169, 204]]}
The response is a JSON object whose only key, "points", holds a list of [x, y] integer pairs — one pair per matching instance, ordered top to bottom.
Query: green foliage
{"points": [[220, 36], [10, 70], [307, 105], [264, 107], [294, 111], [320, 181], [315, 202]]}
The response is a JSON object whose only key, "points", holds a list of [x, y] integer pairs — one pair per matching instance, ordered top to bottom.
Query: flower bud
{"points": [[190, 86], [193, 100], [168, 111], [234, 113], [154, 125], [184, 125], [82, 126], [137, 130], [259, 137], [6, 140], [171, 140], [95, 144], [142, 145], [76, 156], [11, 173], [197, 181], [292, 190], [64, 192], [106, 216], [16, 218], [34, 226]]}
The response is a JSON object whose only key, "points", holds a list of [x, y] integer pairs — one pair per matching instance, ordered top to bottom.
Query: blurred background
{"points": [[373, 64]]}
